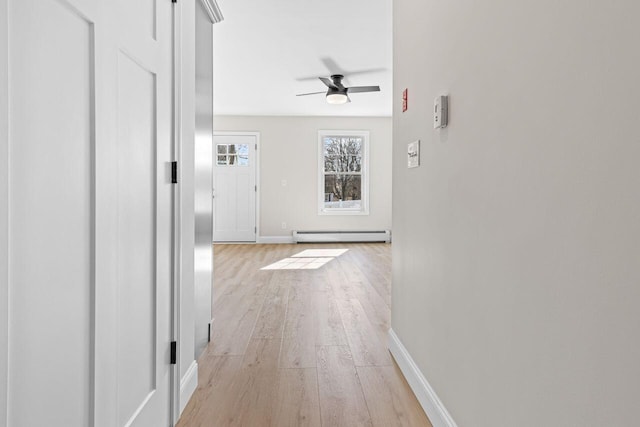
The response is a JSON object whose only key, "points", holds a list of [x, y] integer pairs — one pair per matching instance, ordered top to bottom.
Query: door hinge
{"points": [[174, 1], [256, 147], [174, 172], [256, 188], [255, 230], [174, 350]]}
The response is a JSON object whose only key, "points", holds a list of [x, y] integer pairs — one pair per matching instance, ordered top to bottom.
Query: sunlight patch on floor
{"points": [[320, 253], [309, 259]]}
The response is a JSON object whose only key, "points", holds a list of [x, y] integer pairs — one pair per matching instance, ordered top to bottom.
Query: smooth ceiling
{"points": [[265, 52]]}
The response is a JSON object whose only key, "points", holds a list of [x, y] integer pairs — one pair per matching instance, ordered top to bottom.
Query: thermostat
{"points": [[440, 112]]}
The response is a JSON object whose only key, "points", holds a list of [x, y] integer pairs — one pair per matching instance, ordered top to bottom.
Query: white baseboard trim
{"points": [[275, 239], [188, 385], [433, 407]]}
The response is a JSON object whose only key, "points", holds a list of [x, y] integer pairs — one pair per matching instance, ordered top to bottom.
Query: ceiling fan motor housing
{"points": [[337, 79]]}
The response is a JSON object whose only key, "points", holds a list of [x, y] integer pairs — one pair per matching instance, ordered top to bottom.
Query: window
{"points": [[232, 154], [343, 166]]}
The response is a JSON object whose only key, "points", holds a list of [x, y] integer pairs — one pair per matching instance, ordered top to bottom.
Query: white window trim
{"points": [[365, 173]]}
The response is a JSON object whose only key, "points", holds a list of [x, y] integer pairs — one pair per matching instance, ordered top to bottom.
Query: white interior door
{"points": [[234, 188], [90, 212], [143, 235]]}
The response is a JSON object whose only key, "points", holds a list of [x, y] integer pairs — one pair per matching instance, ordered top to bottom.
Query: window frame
{"points": [[364, 174]]}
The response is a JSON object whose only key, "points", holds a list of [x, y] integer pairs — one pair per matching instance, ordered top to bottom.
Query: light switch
{"points": [[440, 112], [413, 154]]}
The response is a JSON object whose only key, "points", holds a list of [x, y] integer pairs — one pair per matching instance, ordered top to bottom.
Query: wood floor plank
{"points": [[351, 266], [318, 279], [341, 286], [375, 307], [376, 310], [236, 317], [271, 319], [328, 323], [298, 345], [365, 346], [262, 354], [249, 396], [341, 399], [390, 400], [297, 403], [207, 407]]}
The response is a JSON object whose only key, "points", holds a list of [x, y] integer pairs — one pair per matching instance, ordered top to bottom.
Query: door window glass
{"points": [[232, 154]]}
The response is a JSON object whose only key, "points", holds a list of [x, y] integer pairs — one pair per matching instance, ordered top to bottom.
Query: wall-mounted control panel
{"points": [[440, 112]]}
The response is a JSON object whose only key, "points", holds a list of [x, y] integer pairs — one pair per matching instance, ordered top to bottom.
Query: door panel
{"points": [[234, 188], [51, 215], [136, 237]]}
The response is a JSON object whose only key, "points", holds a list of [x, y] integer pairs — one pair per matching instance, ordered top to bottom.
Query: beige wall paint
{"points": [[289, 151], [4, 211], [516, 266]]}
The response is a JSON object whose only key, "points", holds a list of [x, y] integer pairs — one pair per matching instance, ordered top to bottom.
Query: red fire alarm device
{"points": [[405, 97]]}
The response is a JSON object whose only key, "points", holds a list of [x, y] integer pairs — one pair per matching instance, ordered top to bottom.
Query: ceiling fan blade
{"points": [[334, 68], [365, 71], [328, 82], [358, 89], [310, 93]]}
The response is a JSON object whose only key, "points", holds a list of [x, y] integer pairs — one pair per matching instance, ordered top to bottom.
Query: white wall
{"points": [[187, 119], [289, 151], [203, 169], [4, 222], [515, 266]]}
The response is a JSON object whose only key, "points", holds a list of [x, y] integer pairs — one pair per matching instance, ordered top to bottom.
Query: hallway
{"points": [[302, 341]]}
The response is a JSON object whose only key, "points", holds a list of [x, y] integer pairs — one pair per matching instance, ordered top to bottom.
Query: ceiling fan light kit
{"points": [[337, 92], [337, 98]]}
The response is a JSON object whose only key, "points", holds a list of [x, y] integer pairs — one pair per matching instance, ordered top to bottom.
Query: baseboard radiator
{"points": [[341, 236]]}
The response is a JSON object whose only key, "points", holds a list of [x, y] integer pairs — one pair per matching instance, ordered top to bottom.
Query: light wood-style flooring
{"points": [[301, 347]]}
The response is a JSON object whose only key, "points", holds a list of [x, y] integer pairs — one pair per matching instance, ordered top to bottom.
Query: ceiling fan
{"points": [[337, 92]]}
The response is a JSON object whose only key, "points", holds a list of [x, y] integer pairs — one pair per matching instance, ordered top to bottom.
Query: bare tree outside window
{"points": [[342, 174]]}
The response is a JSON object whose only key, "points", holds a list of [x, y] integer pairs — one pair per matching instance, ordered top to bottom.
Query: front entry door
{"points": [[234, 188]]}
